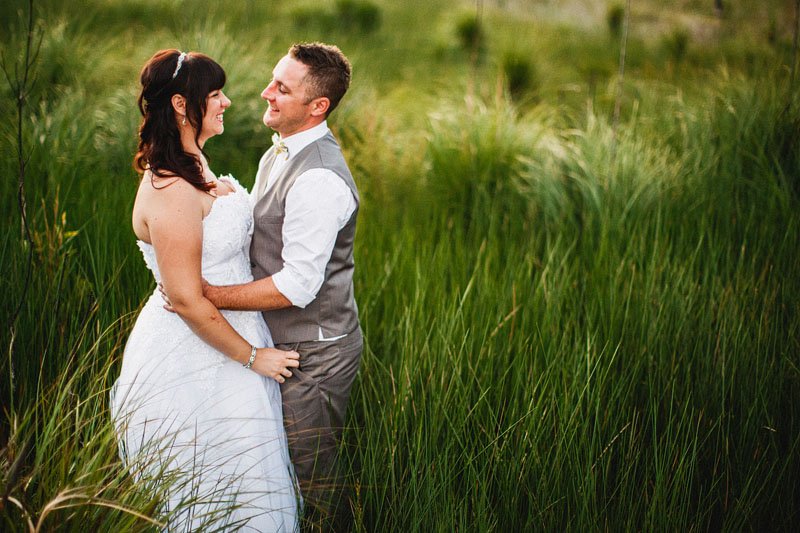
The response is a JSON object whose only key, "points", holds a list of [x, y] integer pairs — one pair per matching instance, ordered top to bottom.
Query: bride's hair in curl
{"points": [[160, 149]]}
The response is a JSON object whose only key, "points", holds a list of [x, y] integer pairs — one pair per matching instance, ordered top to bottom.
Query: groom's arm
{"points": [[318, 205], [258, 295]]}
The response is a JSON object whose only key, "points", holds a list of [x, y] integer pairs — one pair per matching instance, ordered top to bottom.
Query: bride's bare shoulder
{"points": [[159, 182], [153, 188], [165, 196]]}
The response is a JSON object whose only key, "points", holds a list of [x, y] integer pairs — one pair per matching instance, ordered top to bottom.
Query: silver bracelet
{"points": [[252, 357]]}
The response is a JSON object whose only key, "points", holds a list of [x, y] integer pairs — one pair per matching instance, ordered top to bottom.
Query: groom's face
{"points": [[290, 110]]}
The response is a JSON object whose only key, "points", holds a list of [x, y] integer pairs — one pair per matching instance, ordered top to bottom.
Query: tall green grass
{"points": [[566, 327], [616, 356]]}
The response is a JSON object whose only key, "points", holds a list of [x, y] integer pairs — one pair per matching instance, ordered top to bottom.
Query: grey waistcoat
{"points": [[334, 309]]}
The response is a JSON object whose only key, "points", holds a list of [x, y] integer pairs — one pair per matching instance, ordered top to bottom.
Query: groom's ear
{"points": [[320, 106]]}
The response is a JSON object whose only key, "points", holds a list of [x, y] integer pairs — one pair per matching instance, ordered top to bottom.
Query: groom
{"points": [[305, 211]]}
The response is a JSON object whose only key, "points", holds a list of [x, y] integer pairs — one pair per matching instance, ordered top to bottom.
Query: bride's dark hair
{"points": [[160, 149]]}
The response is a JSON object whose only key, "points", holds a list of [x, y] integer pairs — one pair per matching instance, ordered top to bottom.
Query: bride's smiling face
{"points": [[290, 109], [213, 123]]}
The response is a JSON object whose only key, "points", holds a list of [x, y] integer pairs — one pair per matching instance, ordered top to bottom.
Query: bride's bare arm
{"points": [[176, 232]]}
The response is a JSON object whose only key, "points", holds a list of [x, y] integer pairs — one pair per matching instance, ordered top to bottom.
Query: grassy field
{"points": [[570, 324]]}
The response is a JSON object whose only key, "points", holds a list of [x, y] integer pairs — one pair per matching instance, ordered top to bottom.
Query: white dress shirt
{"points": [[318, 206]]}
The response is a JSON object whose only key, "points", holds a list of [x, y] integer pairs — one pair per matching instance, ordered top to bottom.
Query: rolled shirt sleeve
{"points": [[318, 206]]}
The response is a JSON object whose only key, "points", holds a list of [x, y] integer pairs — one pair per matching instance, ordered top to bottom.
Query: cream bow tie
{"points": [[280, 146]]}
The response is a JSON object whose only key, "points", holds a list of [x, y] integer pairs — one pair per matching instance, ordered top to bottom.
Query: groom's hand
{"points": [[210, 293], [167, 304]]}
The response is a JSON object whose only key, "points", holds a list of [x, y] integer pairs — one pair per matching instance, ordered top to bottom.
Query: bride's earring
{"points": [[183, 122]]}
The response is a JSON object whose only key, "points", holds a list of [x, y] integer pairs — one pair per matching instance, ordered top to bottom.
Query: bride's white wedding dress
{"points": [[195, 426]]}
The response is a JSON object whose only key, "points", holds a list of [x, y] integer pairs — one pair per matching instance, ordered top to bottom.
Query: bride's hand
{"points": [[275, 364]]}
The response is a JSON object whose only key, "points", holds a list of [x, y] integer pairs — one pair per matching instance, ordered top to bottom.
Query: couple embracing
{"points": [[259, 341]]}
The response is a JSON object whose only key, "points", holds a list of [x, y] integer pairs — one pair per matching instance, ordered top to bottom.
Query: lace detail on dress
{"points": [[227, 231]]}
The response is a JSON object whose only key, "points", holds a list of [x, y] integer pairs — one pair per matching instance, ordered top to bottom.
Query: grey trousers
{"points": [[314, 408]]}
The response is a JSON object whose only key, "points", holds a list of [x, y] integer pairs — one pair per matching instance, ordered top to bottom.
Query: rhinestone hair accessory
{"points": [[180, 62]]}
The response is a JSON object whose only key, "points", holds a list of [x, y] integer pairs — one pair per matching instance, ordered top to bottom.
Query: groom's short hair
{"points": [[329, 70]]}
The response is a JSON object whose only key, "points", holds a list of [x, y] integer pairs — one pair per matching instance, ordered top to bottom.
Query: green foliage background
{"points": [[569, 325]]}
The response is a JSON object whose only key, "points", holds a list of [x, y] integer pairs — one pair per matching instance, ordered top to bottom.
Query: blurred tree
{"points": [[620, 77], [20, 84]]}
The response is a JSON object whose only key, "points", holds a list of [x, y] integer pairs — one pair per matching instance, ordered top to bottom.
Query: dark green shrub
{"points": [[360, 15], [615, 16], [306, 17], [772, 30], [469, 31], [676, 44], [595, 69], [520, 74]]}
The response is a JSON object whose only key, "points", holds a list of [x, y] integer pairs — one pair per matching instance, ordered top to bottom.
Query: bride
{"points": [[197, 404]]}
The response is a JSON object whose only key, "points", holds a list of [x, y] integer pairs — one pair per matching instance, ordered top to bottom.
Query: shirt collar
{"points": [[300, 140]]}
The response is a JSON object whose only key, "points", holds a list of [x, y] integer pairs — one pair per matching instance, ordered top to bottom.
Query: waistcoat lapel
{"points": [[262, 177]]}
